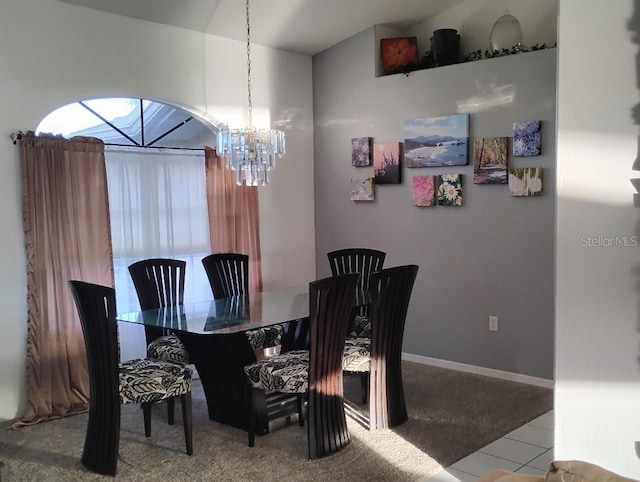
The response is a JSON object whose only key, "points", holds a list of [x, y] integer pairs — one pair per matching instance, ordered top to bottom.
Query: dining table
{"points": [[213, 333]]}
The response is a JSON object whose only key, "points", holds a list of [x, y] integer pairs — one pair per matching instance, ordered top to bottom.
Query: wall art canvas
{"points": [[399, 54], [526, 138], [436, 141], [361, 151], [490, 156], [386, 163], [526, 181], [362, 189], [450, 190], [424, 191]]}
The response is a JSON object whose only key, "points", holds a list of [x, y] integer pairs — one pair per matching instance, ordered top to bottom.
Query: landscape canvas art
{"points": [[526, 139], [436, 141], [361, 151], [490, 155], [386, 163], [526, 181], [362, 189], [450, 190], [424, 191]]}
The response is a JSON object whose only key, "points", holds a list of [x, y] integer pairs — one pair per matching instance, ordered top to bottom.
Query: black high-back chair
{"points": [[357, 260], [228, 275], [159, 283], [381, 355], [314, 374], [113, 383]]}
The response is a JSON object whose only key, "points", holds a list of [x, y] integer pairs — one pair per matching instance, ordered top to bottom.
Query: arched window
{"points": [[156, 181]]}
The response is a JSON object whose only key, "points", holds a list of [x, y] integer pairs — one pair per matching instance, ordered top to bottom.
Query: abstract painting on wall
{"points": [[526, 138], [436, 141], [361, 151], [490, 156], [386, 163], [526, 181], [362, 189], [450, 190], [424, 191]]}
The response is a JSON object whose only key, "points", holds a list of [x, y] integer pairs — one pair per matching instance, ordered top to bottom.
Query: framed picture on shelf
{"points": [[399, 54]]}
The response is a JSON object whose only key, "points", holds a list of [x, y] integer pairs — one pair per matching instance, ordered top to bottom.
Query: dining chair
{"points": [[357, 260], [228, 275], [159, 283], [378, 360], [314, 375], [141, 381]]}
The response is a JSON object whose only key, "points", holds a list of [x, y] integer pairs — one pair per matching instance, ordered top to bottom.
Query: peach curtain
{"points": [[234, 219], [67, 236]]}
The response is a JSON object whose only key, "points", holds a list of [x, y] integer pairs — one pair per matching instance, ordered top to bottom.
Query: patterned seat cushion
{"points": [[360, 327], [266, 337], [168, 349], [357, 355], [287, 373], [150, 380]]}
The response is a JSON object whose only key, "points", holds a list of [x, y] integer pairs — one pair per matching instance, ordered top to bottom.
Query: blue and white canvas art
{"points": [[526, 139], [436, 141]]}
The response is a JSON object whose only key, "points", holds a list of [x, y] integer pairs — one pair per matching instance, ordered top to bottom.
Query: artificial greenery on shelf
{"points": [[488, 54], [429, 62]]}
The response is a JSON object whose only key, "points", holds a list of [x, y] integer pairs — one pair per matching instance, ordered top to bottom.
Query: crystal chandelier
{"points": [[251, 152]]}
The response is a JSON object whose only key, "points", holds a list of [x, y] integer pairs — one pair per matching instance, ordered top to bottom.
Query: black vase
{"points": [[445, 46]]}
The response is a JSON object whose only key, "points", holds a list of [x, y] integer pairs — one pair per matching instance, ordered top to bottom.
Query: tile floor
{"points": [[528, 450]]}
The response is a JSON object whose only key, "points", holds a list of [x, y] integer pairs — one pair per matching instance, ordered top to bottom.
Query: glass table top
{"points": [[228, 315]]}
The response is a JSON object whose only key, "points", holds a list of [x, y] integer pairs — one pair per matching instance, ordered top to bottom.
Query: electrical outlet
{"points": [[493, 323]]}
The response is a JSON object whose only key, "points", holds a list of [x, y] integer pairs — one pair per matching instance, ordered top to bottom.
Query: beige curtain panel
{"points": [[234, 219], [67, 236]]}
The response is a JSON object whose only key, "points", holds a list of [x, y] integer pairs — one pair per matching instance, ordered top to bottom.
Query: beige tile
{"points": [[533, 435], [513, 450], [479, 464]]}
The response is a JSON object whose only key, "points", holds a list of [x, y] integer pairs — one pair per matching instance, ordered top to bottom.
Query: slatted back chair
{"points": [[357, 260], [228, 275], [159, 283], [381, 355], [314, 374], [113, 383]]}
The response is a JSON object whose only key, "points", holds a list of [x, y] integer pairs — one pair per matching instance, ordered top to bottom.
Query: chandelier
{"points": [[251, 152]]}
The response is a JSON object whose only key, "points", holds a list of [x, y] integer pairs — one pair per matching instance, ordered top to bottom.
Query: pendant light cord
{"points": [[250, 106]]}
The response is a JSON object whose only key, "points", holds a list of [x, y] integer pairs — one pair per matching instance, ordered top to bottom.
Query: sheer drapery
{"points": [[158, 207], [234, 219], [67, 236]]}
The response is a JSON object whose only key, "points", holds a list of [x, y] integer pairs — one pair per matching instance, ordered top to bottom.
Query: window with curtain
{"points": [[158, 207]]}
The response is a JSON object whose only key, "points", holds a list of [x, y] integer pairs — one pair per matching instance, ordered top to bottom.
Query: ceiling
{"points": [[303, 26]]}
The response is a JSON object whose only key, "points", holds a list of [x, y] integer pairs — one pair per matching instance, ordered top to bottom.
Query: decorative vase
{"points": [[506, 32], [445, 46]]}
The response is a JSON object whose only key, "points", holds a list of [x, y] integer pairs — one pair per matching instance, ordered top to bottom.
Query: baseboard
{"points": [[488, 372]]}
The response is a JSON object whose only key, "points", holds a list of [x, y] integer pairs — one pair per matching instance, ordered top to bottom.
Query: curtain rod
{"points": [[16, 136]]}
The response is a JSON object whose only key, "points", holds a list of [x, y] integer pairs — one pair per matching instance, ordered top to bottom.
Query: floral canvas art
{"points": [[399, 54], [526, 138], [436, 141], [361, 151], [490, 156], [386, 163], [526, 181], [362, 189], [424, 190], [450, 190]]}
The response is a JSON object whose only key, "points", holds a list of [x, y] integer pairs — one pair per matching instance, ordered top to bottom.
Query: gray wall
{"points": [[492, 256]]}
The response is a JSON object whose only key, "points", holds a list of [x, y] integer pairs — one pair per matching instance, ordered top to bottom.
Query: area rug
{"points": [[451, 414]]}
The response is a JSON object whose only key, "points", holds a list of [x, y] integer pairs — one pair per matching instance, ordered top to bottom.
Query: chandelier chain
{"points": [[250, 106]]}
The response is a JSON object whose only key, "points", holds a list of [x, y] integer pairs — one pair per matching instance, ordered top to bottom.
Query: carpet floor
{"points": [[451, 414]]}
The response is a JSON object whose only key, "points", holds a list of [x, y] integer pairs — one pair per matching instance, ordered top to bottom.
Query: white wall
{"points": [[53, 53], [597, 351]]}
